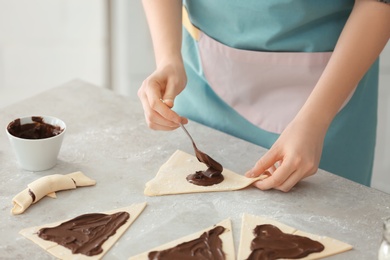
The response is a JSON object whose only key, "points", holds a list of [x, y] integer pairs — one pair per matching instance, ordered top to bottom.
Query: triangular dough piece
{"points": [[171, 177], [249, 222], [226, 237], [62, 252]]}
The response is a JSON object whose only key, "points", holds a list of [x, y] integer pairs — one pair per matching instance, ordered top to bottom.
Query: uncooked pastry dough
{"points": [[171, 177], [47, 186], [249, 222], [226, 237], [65, 253]]}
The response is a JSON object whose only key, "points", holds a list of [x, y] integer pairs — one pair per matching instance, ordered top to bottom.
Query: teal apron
{"points": [[251, 67]]}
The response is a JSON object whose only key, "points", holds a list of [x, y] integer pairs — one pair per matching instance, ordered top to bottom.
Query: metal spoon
{"points": [[202, 157]]}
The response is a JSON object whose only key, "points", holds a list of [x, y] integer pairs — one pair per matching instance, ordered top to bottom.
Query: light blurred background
{"points": [[46, 43]]}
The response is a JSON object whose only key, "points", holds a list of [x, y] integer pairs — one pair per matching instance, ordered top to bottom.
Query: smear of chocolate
{"points": [[38, 129], [213, 174], [31, 193], [85, 234], [271, 243], [207, 247]]}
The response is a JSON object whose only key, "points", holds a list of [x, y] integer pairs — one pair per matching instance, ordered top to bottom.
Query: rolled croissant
{"points": [[47, 186]]}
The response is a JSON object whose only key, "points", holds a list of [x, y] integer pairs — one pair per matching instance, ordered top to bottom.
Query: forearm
{"points": [[164, 19], [363, 38]]}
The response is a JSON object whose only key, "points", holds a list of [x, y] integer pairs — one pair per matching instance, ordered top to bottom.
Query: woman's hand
{"points": [[159, 90], [158, 93], [298, 149], [293, 157]]}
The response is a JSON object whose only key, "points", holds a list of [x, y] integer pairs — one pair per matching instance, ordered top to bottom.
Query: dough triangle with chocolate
{"points": [[171, 177], [104, 229], [266, 229], [216, 242]]}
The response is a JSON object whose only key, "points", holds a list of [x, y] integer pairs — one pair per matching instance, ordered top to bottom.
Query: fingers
{"points": [[158, 93], [169, 94], [167, 101], [158, 113], [155, 120], [295, 154], [266, 162], [286, 171], [287, 175], [282, 179]]}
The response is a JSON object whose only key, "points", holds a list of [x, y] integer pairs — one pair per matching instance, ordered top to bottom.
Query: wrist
{"points": [[174, 60], [318, 120]]}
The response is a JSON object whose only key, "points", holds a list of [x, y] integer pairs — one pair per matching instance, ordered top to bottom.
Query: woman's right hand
{"points": [[157, 94]]}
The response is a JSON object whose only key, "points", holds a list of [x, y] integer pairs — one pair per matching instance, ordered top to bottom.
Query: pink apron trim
{"points": [[267, 88]]}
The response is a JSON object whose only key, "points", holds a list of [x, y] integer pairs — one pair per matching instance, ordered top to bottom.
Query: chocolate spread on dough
{"points": [[36, 130], [213, 175], [32, 195], [85, 234], [271, 243], [208, 247]]}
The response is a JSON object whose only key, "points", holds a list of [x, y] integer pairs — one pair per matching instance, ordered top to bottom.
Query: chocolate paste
{"points": [[36, 130], [213, 174], [32, 195], [85, 234], [271, 243], [207, 246]]}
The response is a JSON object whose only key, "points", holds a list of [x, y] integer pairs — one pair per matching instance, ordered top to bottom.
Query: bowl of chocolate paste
{"points": [[36, 141]]}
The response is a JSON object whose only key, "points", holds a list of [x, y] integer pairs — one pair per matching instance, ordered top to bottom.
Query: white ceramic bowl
{"points": [[37, 154]]}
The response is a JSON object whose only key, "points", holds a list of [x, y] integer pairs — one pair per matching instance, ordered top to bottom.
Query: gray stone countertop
{"points": [[108, 140]]}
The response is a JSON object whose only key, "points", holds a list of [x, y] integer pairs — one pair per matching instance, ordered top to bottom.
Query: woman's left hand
{"points": [[297, 151], [294, 156]]}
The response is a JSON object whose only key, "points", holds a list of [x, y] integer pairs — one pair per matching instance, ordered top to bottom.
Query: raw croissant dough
{"points": [[171, 177], [47, 186], [249, 222], [226, 237], [64, 253]]}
